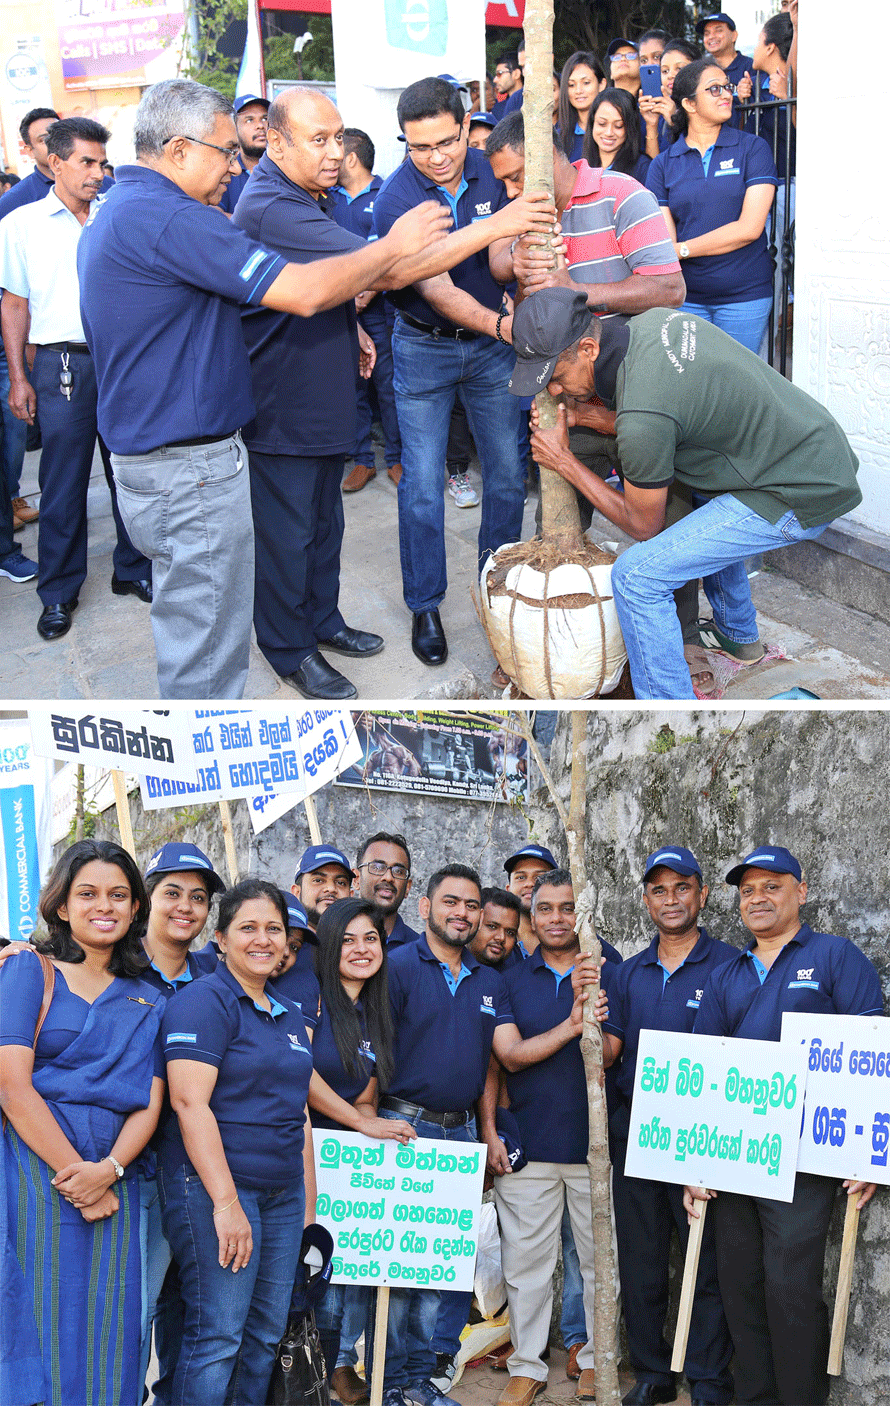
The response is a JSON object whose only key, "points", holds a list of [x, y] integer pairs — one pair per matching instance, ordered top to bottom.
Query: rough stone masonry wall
{"points": [[721, 783]]}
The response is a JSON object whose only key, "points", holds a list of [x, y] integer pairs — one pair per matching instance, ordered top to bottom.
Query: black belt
{"points": [[454, 334], [66, 347], [201, 439], [427, 1115]]}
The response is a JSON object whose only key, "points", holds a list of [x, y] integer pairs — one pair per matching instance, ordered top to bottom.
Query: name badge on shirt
{"points": [[728, 168], [483, 212], [487, 1007], [178, 1037], [295, 1044]]}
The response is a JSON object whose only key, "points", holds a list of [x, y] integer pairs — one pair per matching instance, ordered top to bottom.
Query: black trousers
{"points": [[69, 432], [298, 529], [645, 1214], [769, 1260]]}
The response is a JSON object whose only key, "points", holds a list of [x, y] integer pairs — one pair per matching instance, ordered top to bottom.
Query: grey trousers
{"points": [[188, 509]]}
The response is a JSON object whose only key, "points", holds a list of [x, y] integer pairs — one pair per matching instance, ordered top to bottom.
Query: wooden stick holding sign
{"points": [[122, 805], [225, 815], [312, 820], [844, 1285], [687, 1293], [381, 1325]]}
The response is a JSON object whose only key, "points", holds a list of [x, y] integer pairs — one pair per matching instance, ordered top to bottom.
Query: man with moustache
{"points": [[250, 113], [523, 869], [383, 874], [323, 875], [495, 944], [660, 989]]}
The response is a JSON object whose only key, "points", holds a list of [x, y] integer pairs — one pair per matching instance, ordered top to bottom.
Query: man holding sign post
{"points": [[770, 1254]]}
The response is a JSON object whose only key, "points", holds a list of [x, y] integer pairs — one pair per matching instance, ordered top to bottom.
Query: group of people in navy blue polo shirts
{"points": [[320, 1004]]}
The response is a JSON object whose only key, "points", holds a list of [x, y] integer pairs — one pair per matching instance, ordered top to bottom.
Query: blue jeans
{"points": [[744, 322], [380, 333], [428, 373], [712, 542], [155, 1254], [343, 1314], [233, 1322], [423, 1322], [573, 1322]]}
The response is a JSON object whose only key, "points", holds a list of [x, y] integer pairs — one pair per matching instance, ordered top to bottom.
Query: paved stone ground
{"points": [[832, 650]]}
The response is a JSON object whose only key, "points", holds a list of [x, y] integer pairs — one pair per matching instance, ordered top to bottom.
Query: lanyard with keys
{"points": [[66, 378]]}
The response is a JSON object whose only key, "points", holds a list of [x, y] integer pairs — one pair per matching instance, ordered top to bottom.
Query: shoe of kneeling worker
{"points": [[748, 652], [521, 1391]]}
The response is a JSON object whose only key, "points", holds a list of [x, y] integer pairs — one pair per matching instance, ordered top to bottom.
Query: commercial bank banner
{"points": [[25, 842]]}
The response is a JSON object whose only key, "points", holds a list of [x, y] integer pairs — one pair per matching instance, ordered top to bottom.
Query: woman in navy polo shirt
{"points": [[583, 78], [612, 139], [716, 185], [236, 1169]]}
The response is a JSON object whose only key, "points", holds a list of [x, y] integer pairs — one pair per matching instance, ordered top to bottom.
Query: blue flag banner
{"points": [[25, 849]]}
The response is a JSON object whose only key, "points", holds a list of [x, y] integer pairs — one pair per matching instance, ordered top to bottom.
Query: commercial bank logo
{"points": [[418, 25]]}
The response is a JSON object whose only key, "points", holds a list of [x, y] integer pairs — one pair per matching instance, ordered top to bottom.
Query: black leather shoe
{"points": [[142, 589], [55, 619], [428, 638], [356, 642], [315, 678], [648, 1394]]}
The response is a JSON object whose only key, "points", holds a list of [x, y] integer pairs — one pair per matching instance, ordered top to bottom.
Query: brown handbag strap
{"points": [[49, 982]]}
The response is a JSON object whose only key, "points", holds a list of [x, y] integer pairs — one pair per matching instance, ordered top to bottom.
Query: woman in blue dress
{"points": [[81, 1104]]}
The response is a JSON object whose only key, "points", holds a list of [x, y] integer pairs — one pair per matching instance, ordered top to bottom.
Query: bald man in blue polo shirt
{"points": [[770, 1254]]}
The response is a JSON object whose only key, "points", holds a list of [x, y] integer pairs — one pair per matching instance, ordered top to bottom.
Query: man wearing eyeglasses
{"points": [[383, 873]]}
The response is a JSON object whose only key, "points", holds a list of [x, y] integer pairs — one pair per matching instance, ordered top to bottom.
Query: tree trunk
{"points": [[560, 520], [605, 1326]]}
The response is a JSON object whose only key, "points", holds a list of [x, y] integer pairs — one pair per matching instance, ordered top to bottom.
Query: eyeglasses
{"points": [[502, 72], [715, 89], [450, 144], [230, 152], [377, 867]]}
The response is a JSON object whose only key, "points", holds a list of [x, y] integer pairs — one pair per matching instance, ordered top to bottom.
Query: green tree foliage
{"points": [[592, 24], [214, 57], [317, 57]]}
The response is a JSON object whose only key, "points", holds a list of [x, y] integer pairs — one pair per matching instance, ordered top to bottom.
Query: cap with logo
{"points": [[721, 18], [617, 44], [455, 82], [247, 98], [482, 119], [544, 325], [530, 852], [317, 856], [675, 857], [774, 857], [182, 858], [297, 916]]}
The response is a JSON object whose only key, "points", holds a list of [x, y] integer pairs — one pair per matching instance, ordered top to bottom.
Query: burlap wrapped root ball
{"points": [[551, 619]]}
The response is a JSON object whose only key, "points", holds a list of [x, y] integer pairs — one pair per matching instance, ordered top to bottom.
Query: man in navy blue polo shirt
{"points": [[718, 35], [251, 123], [162, 280], [451, 338], [523, 869], [383, 874], [323, 875], [496, 942], [660, 989], [547, 1088], [770, 1253]]}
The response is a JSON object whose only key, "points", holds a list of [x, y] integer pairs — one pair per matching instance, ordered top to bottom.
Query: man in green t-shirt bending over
{"points": [[767, 464]]}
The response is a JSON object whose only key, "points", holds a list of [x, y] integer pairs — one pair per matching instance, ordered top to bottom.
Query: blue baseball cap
{"points": [[721, 18], [617, 44], [455, 82], [247, 98], [483, 117], [530, 852], [317, 856], [675, 857], [774, 857], [182, 858], [297, 916]]}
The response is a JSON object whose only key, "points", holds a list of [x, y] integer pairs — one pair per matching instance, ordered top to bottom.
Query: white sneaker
{"points": [[462, 491]]}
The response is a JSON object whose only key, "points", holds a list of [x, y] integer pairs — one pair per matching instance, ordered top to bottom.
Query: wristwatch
{"points": [[683, 251], [118, 1169]]}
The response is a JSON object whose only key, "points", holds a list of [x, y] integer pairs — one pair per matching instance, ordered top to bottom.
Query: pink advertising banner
{"points": [[101, 42]]}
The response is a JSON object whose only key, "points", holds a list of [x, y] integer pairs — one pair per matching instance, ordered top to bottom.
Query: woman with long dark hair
{"points": [[582, 79], [612, 139], [716, 185], [82, 1099]]}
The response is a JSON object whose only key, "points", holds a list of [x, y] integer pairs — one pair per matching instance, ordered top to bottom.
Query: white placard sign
{"points": [[149, 742], [243, 752], [709, 1111], [846, 1126], [403, 1216]]}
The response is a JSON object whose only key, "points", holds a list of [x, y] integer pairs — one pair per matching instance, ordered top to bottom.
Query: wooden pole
{"points": [[122, 805], [225, 816], [314, 832], [844, 1285], [687, 1293], [381, 1322]]}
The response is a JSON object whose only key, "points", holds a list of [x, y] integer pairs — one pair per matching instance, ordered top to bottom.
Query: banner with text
{"points": [[148, 742], [439, 754], [25, 844], [720, 1113], [846, 1124], [403, 1216]]}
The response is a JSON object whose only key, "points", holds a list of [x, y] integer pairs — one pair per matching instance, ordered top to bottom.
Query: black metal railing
{"points": [[773, 120]]}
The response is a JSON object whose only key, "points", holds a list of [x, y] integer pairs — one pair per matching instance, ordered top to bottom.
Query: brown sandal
{"points": [[700, 670]]}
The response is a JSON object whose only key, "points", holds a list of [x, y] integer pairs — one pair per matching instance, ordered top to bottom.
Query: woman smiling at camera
{"points": [[581, 81], [612, 139], [82, 1098], [236, 1169]]}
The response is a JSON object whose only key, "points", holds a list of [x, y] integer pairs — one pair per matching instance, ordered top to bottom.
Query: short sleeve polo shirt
{"points": [[479, 197], [701, 200], [355, 213], [613, 228], [161, 281], [314, 357], [764, 440], [401, 933], [816, 972], [156, 978], [299, 983], [644, 996], [443, 1036], [327, 1060], [264, 1064], [549, 1099]]}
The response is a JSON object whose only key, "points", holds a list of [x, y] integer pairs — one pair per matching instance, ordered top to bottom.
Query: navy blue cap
{"points": [[721, 18], [620, 44], [455, 82], [247, 98], [485, 117], [530, 852], [317, 856], [178, 857], [675, 857], [774, 857], [297, 916], [507, 1129], [311, 1285]]}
